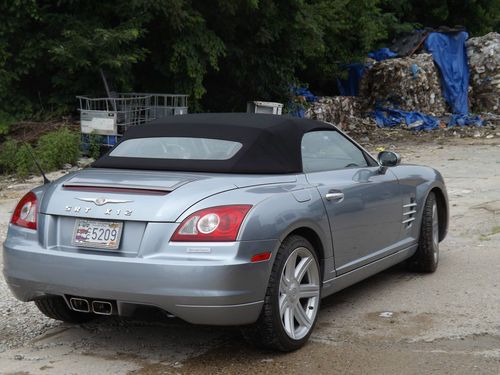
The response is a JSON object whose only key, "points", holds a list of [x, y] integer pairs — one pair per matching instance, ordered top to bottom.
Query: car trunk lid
{"points": [[129, 195], [148, 196]]}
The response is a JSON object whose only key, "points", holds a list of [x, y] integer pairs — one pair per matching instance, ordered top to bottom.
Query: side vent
{"points": [[409, 211]]}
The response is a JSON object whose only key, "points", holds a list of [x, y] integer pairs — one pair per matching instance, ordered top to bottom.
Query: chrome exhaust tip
{"points": [[80, 305], [102, 307]]}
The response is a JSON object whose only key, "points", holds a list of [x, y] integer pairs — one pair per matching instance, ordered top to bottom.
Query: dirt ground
{"points": [[393, 323]]}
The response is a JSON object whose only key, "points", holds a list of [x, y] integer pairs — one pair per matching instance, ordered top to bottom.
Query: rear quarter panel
{"points": [[278, 210]]}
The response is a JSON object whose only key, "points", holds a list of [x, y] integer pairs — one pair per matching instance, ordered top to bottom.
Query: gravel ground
{"points": [[19, 322], [393, 323]]}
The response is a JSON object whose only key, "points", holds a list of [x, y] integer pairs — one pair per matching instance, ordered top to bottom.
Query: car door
{"points": [[364, 204]]}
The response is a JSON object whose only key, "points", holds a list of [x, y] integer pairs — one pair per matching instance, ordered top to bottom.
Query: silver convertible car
{"points": [[223, 219]]}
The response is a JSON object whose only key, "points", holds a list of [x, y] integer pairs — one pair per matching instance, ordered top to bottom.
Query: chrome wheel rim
{"points": [[435, 233], [299, 293]]}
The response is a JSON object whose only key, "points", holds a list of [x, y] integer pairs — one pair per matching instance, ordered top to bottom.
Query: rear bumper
{"points": [[222, 291]]}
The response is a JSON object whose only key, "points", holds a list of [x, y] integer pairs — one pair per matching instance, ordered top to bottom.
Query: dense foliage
{"points": [[477, 16], [222, 52], [53, 150]]}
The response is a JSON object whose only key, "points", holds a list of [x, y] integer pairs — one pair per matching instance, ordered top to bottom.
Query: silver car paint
{"points": [[187, 189], [214, 283]]}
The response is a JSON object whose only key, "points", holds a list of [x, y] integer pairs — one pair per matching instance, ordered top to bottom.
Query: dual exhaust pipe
{"points": [[86, 306]]}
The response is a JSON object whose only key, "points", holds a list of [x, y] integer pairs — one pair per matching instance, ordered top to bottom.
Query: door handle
{"points": [[334, 196]]}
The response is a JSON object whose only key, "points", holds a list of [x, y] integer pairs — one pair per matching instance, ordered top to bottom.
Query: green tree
{"points": [[477, 16], [271, 45], [21, 51], [221, 53]]}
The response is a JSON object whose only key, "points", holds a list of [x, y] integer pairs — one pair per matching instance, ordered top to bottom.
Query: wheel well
{"points": [[442, 212], [310, 235]]}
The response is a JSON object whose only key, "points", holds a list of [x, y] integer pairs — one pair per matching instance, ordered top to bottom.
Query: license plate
{"points": [[97, 234]]}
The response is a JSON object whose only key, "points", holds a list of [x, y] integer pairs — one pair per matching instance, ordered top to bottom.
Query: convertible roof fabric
{"points": [[271, 143]]}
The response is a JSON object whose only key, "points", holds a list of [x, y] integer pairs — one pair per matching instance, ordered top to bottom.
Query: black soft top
{"points": [[271, 143]]}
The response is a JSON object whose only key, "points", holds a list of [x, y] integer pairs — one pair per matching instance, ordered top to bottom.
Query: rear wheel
{"points": [[426, 258], [292, 300], [55, 307]]}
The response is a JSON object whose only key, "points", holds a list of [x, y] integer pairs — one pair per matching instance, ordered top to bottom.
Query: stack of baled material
{"points": [[484, 64], [409, 83], [338, 110]]}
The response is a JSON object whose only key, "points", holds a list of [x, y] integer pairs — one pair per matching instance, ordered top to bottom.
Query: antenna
{"points": [[45, 179]]}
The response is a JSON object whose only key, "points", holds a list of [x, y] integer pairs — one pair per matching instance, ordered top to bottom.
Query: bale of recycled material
{"points": [[484, 63], [409, 83], [338, 110]]}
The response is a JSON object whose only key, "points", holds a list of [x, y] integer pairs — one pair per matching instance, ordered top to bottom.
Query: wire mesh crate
{"points": [[162, 105], [110, 117]]}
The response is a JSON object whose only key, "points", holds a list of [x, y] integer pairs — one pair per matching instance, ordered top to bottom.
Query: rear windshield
{"points": [[177, 148]]}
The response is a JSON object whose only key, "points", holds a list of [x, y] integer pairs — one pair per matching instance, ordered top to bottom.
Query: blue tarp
{"points": [[448, 52], [382, 54], [350, 86], [302, 91], [297, 109], [390, 117], [463, 120]]}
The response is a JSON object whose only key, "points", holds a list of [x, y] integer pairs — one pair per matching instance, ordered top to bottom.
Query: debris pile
{"points": [[484, 64], [409, 83], [409, 92], [338, 110]]}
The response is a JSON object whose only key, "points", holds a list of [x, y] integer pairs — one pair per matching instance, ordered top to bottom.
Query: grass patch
{"points": [[52, 151], [493, 231]]}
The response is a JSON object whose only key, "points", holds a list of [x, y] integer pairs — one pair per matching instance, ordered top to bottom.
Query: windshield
{"points": [[177, 148]]}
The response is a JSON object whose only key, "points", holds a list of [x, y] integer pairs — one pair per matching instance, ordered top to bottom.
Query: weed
{"points": [[5, 121], [94, 146], [57, 148], [53, 150], [8, 156], [25, 164], [493, 231]]}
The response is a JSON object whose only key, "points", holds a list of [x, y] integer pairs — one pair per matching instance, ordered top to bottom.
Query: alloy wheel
{"points": [[299, 293]]}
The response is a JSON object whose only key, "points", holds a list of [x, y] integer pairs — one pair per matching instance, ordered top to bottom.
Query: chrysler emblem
{"points": [[102, 201]]}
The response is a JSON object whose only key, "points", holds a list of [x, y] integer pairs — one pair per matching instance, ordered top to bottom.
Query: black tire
{"points": [[426, 258], [55, 307], [269, 332]]}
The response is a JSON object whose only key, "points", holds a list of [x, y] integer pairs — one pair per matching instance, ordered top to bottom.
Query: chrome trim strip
{"points": [[118, 186], [103, 201], [410, 205], [409, 212], [408, 220]]}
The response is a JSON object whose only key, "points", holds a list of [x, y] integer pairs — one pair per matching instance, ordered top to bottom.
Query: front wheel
{"points": [[426, 258], [292, 299]]}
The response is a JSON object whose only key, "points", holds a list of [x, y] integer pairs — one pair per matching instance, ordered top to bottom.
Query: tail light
{"points": [[25, 213], [220, 223]]}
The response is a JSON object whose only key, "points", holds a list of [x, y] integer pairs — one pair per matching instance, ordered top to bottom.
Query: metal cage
{"points": [[110, 117]]}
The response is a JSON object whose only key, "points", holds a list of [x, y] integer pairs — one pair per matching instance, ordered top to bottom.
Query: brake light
{"points": [[25, 213], [221, 223]]}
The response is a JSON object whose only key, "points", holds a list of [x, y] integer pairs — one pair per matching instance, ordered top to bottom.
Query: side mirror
{"points": [[388, 159]]}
